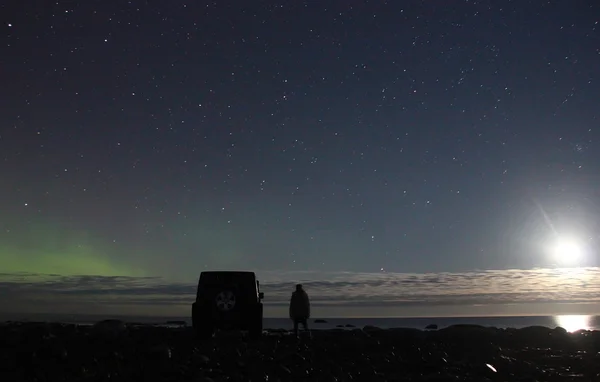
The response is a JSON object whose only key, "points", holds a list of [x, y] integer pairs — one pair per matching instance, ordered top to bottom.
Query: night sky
{"points": [[360, 139]]}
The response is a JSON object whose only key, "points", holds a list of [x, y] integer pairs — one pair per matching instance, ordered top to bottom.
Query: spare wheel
{"points": [[225, 301]]}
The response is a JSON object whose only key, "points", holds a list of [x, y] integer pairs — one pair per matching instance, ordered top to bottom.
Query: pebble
{"points": [[59, 352]]}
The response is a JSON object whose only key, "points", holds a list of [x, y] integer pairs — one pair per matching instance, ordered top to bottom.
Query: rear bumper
{"points": [[242, 319]]}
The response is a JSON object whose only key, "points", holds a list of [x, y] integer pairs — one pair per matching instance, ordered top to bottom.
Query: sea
{"points": [[569, 322]]}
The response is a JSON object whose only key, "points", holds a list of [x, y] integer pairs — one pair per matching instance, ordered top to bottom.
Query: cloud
{"points": [[27, 291]]}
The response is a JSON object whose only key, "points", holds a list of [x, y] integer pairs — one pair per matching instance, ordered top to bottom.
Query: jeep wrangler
{"points": [[228, 300]]}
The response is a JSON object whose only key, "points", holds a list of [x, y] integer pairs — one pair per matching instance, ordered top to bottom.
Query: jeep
{"points": [[228, 300]]}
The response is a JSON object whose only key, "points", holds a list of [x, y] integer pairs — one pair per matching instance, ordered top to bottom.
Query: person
{"points": [[300, 309]]}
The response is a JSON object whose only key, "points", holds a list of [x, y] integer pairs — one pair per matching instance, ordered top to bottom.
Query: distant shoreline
{"points": [[570, 322]]}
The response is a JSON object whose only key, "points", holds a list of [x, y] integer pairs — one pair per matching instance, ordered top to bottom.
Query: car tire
{"points": [[256, 326], [202, 327], [205, 332]]}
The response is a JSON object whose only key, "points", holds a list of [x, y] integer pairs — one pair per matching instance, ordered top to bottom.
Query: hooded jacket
{"points": [[299, 305]]}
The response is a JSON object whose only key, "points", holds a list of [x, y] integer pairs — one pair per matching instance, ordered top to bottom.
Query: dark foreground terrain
{"points": [[112, 351]]}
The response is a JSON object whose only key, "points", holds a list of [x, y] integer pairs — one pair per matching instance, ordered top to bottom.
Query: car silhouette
{"points": [[228, 300]]}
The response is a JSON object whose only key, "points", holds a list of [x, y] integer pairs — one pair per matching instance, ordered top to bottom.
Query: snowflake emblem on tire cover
{"points": [[225, 301]]}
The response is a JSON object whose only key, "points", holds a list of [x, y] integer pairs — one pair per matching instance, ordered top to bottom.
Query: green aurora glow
{"points": [[51, 249]]}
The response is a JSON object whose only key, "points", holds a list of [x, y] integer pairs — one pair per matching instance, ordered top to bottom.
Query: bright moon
{"points": [[567, 251]]}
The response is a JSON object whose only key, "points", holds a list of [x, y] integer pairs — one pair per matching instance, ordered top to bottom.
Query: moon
{"points": [[567, 251]]}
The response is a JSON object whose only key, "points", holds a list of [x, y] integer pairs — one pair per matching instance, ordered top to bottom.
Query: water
{"points": [[569, 322]]}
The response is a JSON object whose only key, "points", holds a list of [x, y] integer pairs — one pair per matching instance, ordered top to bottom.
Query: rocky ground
{"points": [[113, 351]]}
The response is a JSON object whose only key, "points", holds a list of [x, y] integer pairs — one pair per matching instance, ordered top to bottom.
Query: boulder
{"points": [[109, 328]]}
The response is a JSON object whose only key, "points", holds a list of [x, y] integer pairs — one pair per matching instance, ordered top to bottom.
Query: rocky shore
{"points": [[114, 351]]}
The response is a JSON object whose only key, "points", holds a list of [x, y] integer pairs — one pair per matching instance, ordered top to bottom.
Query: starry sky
{"points": [[349, 141]]}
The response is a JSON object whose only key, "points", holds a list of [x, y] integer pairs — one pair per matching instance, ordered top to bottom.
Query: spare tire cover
{"points": [[225, 300]]}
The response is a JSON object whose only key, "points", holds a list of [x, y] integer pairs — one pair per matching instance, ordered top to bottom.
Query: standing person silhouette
{"points": [[300, 309]]}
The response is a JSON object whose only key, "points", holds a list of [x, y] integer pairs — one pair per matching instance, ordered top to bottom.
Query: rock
{"points": [[320, 321], [181, 323], [349, 326], [431, 327], [111, 328], [277, 331], [465, 331], [536, 331], [560, 331], [406, 333], [52, 351], [159, 352], [459, 353], [202, 359], [285, 369]]}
